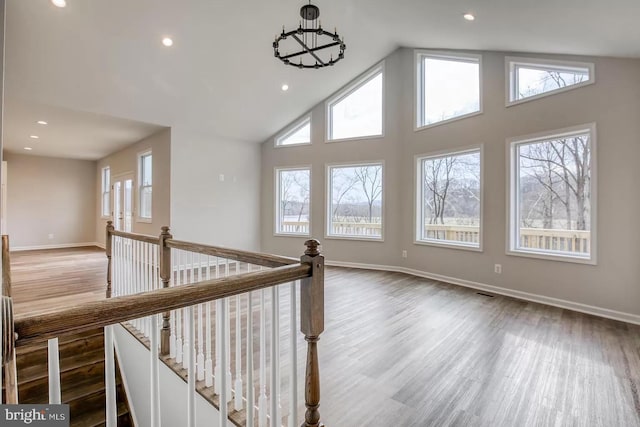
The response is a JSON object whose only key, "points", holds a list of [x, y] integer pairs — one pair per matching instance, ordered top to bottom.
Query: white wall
{"points": [[613, 102], [126, 162], [215, 187], [49, 196], [134, 362]]}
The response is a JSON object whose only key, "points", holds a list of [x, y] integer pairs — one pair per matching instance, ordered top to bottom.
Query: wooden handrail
{"points": [[135, 236], [256, 258], [6, 267], [31, 328]]}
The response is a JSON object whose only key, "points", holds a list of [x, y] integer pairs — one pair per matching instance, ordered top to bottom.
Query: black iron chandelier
{"points": [[311, 46]]}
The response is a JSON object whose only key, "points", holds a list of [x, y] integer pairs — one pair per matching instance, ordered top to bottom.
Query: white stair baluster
{"points": [[178, 313], [172, 317], [227, 343], [190, 356], [275, 357], [293, 357], [208, 365], [154, 371], [54, 372], [110, 378], [238, 384], [250, 388], [224, 398], [262, 398]]}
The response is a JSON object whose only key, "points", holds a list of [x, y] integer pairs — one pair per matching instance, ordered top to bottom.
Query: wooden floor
{"points": [[405, 351]]}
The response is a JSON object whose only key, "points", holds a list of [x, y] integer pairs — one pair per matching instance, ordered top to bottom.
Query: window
{"points": [[534, 78], [448, 87], [357, 111], [298, 134], [145, 179], [552, 190], [106, 191], [355, 201], [449, 202], [292, 205]]}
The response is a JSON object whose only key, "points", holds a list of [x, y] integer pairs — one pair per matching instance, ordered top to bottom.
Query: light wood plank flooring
{"points": [[404, 351]]}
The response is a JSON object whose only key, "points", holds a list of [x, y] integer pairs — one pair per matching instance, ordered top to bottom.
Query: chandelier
{"points": [[310, 45]]}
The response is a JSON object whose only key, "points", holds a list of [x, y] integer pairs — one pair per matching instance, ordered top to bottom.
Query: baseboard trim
{"points": [[58, 246], [526, 296]]}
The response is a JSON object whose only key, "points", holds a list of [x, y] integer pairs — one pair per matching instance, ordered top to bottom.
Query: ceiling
{"points": [[220, 76], [68, 133]]}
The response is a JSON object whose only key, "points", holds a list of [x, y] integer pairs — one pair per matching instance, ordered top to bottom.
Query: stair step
{"points": [[62, 340], [38, 356], [35, 372], [33, 391], [95, 418]]}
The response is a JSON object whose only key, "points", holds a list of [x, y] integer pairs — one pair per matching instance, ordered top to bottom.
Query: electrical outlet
{"points": [[221, 177], [51, 236], [404, 254], [497, 268]]}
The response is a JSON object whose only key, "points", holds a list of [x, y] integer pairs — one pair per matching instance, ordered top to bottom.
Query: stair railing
{"points": [[149, 277], [8, 371]]}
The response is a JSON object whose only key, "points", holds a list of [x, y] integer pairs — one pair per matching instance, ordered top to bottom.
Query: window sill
{"points": [[511, 103], [447, 121], [355, 138], [301, 144], [144, 220], [292, 235], [357, 238], [448, 244], [554, 256]]}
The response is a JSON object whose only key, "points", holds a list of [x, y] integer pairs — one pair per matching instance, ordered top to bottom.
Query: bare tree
{"points": [[437, 178], [370, 179]]}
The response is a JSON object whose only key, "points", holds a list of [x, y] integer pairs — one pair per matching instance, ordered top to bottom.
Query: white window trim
{"points": [[511, 61], [348, 90], [418, 92], [297, 124], [276, 186], [139, 187], [512, 198], [417, 211], [102, 215], [327, 224]]}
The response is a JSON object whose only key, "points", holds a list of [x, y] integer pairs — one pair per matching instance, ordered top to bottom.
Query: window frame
{"points": [[511, 63], [345, 92], [418, 92], [297, 124], [139, 186], [103, 192], [328, 203], [512, 205], [276, 211], [418, 213]]}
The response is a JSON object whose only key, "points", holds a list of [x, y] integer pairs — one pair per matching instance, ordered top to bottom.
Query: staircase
{"points": [[81, 378]]}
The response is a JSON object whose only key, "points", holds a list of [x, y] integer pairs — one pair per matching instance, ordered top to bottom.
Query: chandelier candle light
{"points": [[314, 42]]}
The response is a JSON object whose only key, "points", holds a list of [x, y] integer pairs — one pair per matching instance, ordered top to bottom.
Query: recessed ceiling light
{"points": [[59, 3], [469, 16], [167, 41], [285, 87], [42, 122], [34, 136], [28, 148]]}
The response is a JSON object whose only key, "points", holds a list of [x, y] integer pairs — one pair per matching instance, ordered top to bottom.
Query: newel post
{"points": [[107, 246], [165, 276], [312, 325], [8, 337]]}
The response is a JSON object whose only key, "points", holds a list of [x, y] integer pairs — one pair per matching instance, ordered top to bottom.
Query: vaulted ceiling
{"points": [[220, 76]]}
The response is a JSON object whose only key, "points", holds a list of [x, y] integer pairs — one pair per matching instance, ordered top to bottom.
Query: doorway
{"points": [[123, 203]]}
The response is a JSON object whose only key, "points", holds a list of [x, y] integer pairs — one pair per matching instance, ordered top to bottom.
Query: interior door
{"points": [[123, 203]]}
